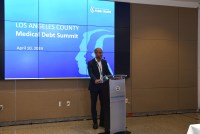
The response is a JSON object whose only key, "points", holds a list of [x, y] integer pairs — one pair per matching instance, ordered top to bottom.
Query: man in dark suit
{"points": [[97, 69]]}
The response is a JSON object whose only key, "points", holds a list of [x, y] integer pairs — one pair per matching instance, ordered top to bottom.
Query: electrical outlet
{"points": [[126, 100], [59, 103], [68, 103], [1, 107]]}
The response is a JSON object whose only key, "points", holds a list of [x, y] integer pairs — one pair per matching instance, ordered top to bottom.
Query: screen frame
{"points": [[121, 66]]}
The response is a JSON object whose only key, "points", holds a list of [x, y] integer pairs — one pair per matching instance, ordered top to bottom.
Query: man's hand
{"points": [[118, 78], [97, 81]]}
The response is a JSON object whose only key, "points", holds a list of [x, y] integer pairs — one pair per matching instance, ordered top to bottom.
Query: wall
{"points": [[164, 58], [163, 72], [38, 99]]}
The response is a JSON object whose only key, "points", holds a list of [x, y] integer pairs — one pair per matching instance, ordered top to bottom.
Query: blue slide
{"points": [[55, 39]]}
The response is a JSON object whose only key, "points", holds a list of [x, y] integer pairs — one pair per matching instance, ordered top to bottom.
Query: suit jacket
{"points": [[94, 74]]}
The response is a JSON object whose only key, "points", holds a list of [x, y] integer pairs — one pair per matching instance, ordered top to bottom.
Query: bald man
{"points": [[97, 69]]}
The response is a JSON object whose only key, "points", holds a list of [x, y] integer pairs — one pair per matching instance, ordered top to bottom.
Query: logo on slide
{"points": [[100, 10], [80, 57], [117, 88]]}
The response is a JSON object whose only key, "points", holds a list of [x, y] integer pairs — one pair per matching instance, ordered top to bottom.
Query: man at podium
{"points": [[97, 69]]}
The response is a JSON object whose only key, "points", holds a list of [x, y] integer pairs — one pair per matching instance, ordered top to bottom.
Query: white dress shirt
{"points": [[99, 65]]}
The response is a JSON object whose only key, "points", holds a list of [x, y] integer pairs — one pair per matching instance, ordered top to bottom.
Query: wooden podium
{"points": [[115, 106]]}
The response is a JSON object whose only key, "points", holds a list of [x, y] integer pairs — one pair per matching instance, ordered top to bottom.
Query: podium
{"points": [[114, 105]]}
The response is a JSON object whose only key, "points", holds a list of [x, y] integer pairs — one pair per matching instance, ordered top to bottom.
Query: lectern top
{"points": [[116, 77]]}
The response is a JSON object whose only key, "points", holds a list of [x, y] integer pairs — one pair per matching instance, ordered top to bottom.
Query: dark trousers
{"points": [[94, 96]]}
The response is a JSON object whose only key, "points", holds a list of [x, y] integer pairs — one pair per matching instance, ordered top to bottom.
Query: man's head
{"points": [[98, 53]]}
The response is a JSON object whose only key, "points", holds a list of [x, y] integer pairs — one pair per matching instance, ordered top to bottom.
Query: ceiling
{"points": [[189, 0], [179, 3]]}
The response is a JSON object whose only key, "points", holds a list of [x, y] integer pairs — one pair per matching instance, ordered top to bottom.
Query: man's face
{"points": [[99, 53]]}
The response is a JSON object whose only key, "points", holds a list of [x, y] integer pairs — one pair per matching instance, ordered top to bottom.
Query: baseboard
{"points": [[54, 120], [42, 121]]}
